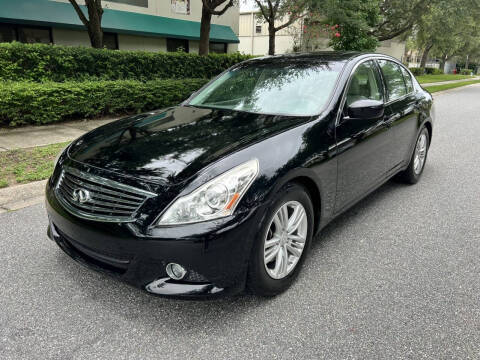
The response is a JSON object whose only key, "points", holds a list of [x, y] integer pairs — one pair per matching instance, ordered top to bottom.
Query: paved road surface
{"points": [[396, 277]]}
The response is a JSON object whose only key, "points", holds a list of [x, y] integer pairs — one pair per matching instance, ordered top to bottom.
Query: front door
{"points": [[362, 145]]}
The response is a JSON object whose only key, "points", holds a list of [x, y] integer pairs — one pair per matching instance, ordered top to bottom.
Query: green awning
{"points": [[58, 14]]}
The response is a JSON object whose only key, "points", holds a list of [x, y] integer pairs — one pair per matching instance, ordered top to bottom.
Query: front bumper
{"points": [[215, 254]]}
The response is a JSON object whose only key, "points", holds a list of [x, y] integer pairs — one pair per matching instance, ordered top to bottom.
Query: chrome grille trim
{"points": [[108, 200]]}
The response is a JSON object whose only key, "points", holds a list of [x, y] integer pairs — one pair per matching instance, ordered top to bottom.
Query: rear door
{"points": [[401, 110], [362, 145]]}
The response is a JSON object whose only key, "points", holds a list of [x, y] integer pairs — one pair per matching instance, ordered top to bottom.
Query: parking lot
{"points": [[397, 276]]}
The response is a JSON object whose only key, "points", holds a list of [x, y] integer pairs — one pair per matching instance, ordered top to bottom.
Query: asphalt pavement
{"points": [[397, 276]]}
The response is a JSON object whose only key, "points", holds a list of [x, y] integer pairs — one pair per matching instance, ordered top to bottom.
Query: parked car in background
{"points": [[228, 189]]}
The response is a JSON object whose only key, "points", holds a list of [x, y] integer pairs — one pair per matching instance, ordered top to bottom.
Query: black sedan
{"points": [[227, 190]]}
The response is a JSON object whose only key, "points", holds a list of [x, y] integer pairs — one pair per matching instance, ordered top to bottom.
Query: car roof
{"points": [[316, 56], [320, 56]]}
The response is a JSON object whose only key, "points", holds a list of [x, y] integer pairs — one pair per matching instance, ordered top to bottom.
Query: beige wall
{"points": [[258, 43], [393, 48]]}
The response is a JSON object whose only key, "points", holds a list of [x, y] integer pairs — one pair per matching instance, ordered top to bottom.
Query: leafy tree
{"points": [[209, 8], [279, 14], [397, 17], [94, 21], [363, 23], [448, 29]]}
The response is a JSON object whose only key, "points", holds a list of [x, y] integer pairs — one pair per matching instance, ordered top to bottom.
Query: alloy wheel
{"points": [[420, 154], [285, 240]]}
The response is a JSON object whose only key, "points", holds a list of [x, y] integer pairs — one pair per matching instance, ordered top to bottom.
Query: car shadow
{"points": [[132, 304]]}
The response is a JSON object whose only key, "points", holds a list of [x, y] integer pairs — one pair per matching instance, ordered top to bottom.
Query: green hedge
{"points": [[39, 62], [417, 71], [427, 71], [41, 103]]}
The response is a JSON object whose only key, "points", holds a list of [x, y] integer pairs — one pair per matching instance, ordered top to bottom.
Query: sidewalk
{"points": [[450, 82], [30, 136]]}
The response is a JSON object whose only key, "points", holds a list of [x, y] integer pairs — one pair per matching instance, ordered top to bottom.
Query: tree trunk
{"points": [[95, 13], [205, 31], [96, 37], [271, 39], [442, 62], [423, 63], [467, 63]]}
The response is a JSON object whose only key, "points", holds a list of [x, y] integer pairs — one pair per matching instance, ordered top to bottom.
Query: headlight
{"points": [[216, 199]]}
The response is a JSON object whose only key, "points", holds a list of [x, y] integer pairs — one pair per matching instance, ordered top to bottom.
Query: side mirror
{"points": [[366, 110]]}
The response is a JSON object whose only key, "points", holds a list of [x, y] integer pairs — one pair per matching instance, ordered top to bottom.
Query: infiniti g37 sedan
{"points": [[226, 191]]}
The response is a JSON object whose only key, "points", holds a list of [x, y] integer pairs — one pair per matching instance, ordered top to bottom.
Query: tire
{"points": [[413, 173], [262, 278]]}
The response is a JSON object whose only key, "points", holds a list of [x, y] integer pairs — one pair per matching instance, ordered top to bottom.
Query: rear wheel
{"points": [[417, 163], [281, 246]]}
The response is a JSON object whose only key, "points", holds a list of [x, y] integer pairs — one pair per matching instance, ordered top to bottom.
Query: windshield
{"points": [[297, 89]]}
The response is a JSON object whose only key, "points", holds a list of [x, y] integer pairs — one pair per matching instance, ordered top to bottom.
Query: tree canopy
{"points": [[449, 28]]}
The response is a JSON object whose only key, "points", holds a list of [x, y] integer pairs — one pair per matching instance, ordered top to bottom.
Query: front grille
{"points": [[95, 198]]}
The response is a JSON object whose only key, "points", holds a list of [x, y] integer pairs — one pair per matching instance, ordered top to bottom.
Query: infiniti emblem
{"points": [[81, 195]]}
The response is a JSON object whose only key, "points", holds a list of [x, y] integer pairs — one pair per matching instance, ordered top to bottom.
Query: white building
{"points": [[151, 25]]}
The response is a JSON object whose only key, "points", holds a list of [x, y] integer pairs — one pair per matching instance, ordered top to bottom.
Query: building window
{"points": [[142, 3], [180, 7], [258, 29], [8, 33], [25, 34], [32, 35], [110, 41], [174, 45], [218, 48]]}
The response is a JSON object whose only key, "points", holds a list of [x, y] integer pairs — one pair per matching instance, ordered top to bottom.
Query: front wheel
{"points": [[415, 168], [281, 246]]}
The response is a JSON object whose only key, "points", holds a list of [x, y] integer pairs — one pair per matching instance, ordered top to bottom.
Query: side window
{"points": [[393, 79], [408, 80], [365, 84]]}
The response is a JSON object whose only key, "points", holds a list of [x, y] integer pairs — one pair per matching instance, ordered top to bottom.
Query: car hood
{"points": [[171, 145]]}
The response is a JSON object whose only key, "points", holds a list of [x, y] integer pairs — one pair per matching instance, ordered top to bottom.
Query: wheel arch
{"points": [[428, 125], [307, 179], [315, 197]]}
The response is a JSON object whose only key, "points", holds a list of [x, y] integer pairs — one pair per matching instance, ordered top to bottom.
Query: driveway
{"points": [[398, 276]]}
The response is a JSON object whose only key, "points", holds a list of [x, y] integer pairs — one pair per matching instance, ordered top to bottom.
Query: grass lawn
{"points": [[425, 79], [436, 88], [26, 165]]}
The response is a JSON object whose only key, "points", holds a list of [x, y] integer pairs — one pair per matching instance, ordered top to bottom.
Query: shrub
{"points": [[40, 62], [417, 71], [427, 71], [433, 71], [466, 71], [41, 103]]}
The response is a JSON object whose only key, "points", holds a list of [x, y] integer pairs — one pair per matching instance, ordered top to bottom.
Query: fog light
{"points": [[175, 271]]}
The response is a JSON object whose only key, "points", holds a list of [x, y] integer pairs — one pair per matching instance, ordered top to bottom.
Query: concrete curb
{"points": [[20, 196]]}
